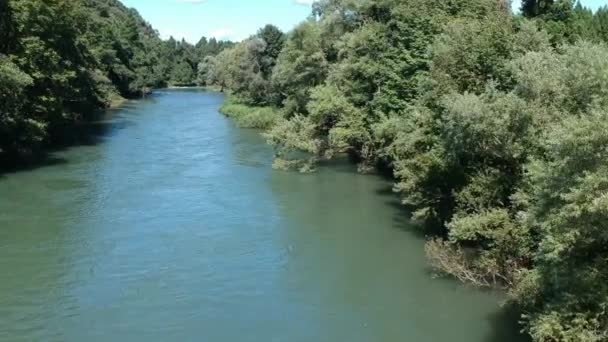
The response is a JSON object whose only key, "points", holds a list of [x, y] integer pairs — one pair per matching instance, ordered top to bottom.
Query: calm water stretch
{"points": [[171, 226]]}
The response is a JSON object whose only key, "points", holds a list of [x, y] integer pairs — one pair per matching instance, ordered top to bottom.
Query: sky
{"points": [[222, 19], [232, 19]]}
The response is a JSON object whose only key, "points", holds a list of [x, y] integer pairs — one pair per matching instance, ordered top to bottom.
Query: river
{"points": [[170, 225]]}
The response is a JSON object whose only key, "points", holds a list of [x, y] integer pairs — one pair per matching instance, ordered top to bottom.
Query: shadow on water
{"points": [[100, 127], [39, 161], [338, 164], [403, 215], [505, 322], [499, 324], [506, 327]]}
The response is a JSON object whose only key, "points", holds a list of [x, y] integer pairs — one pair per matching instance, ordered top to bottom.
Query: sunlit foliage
{"points": [[493, 125]]}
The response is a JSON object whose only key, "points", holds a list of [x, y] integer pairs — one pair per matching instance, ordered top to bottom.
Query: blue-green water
{"points": [[171, 226]]}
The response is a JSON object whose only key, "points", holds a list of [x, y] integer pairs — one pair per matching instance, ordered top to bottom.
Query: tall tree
{"points": [[535, 8], [7, 27], [274, 39]]}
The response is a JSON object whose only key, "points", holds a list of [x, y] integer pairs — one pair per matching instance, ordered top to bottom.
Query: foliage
{"points": [[567, 20], [274, 40], [61, 60], [185, 64], [301, 66], [246, 67], [62, 85], [250, 117], [493, 124], [16, 130], [297, 143], [566, 199]]}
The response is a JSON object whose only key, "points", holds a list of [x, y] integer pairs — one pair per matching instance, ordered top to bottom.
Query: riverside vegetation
{"points": [[60, 60], [494, 125]]}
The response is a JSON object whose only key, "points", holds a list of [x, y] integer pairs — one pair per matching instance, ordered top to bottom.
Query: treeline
{"points": [[61, 60], [187, 61], [494, 125]]}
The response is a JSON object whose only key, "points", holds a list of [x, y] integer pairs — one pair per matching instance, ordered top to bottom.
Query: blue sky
{"points": [[223, 19], [231, 19]]}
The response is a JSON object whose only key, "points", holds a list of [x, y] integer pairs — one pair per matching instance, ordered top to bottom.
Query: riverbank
{"points": [[211, 88], [116, 101], [250, 117], [73, 133], [501, 161], [215, 239]]}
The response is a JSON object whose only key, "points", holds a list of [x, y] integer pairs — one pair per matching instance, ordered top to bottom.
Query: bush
{"points": [[251, 117], [494, 134]]}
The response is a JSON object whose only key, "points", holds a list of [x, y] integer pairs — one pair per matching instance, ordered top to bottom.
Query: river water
{"points": [[170, 225]]}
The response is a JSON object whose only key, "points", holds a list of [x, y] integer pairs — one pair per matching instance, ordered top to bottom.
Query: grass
{"points": [[250, 117]]}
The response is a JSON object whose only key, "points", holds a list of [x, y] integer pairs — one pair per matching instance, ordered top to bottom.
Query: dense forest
{"points": [[61, 60], [493, 124]]}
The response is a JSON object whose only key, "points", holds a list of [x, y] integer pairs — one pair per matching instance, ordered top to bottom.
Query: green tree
{"points": [[535, 8], [600, 23], [7, 27], [274, 40], [49, 50], [61, 60], [300, 67], [206, 71], [182, 74], [17, 131], [567, 292]]}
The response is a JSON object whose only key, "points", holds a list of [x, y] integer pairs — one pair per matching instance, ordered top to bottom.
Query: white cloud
{"points": [[305, 2], [222, 34], [177, 35]]}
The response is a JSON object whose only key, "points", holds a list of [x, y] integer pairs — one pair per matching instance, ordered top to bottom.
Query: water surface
{"points": [[170, 225]]}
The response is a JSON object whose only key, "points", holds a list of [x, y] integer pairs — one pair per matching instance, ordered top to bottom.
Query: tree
{"points": [[535, 8], [600, 23], [7, 27], [274, 39], [61, 60], [300, 67], [207, 71], [182, 74], [493, 126], [17, 132], [567, 292]]}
